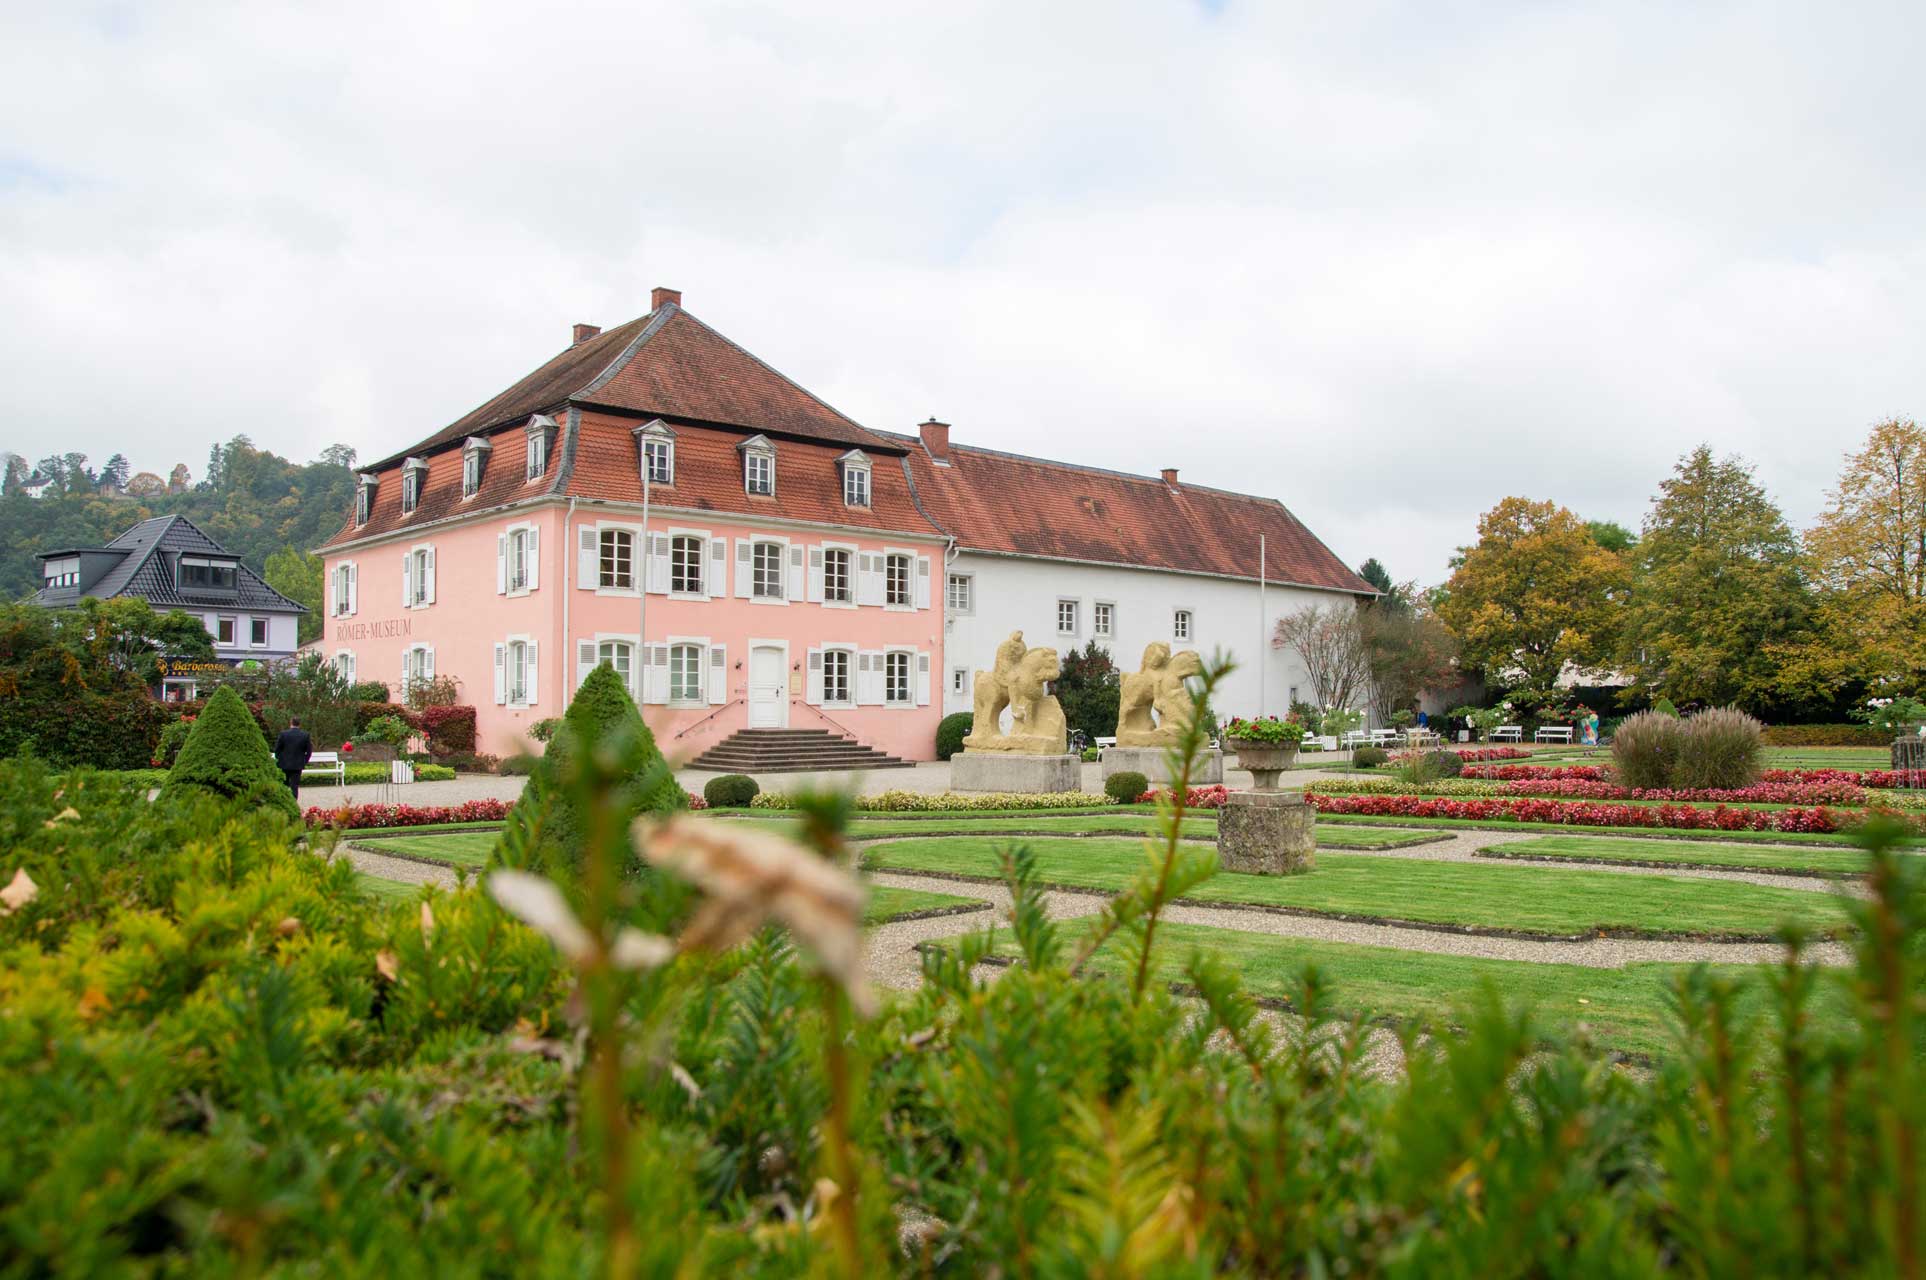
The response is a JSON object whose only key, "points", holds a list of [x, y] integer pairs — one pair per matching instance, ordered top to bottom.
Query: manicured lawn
{"points": [[1201, 827], [355, 832], [1834, 839], [456, 848], [1709, 853], [385, 890], [1517, 897], [886, 902], [1625, 1009]]}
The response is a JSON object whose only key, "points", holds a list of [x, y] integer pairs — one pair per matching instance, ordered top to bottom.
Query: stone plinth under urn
{"points": [[1149, 761], [1015, 772], [1266, 833]]}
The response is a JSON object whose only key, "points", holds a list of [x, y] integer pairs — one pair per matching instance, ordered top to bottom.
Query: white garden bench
{"points": [[1508, 733], [1553, 733], [1356, 738], [325, 762]]}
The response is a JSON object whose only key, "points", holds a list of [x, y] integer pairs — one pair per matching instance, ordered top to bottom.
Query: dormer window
{"points": [[541, 432], [655, 445], [474, 458], [855, 465], [758, 466], [414, 472], [364, 499], [199, 573]]}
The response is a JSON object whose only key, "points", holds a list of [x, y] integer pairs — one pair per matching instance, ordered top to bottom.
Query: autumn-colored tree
{"points": [[179, 478], [145, 484], [1867, 555], [1716, 587], [1534, 593], [1330, 644], [1407, 648]]}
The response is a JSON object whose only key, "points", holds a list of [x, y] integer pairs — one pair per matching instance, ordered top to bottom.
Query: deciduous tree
{"points": [[298, 576], [1716, 584], [1534, 593], [1330, 644]]}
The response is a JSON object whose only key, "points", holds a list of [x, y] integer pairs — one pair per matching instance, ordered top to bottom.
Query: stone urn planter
{"points": [[1264, 760]]}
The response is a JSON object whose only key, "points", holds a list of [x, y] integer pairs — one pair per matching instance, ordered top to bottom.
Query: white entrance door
{"points": [[768, 687]]}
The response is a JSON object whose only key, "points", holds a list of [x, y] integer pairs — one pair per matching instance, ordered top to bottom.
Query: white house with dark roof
{"points": [[168, 562]]}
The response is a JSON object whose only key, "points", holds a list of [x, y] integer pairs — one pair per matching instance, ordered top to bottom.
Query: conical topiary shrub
{"points": [[227, 754], [546, 830]]}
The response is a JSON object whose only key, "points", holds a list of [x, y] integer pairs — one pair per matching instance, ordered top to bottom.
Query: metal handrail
{"points": [[825, 717], [685, 732]]}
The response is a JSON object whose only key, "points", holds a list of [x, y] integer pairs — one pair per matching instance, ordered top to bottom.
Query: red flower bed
{"points": [[1472, 754], [1549, 772], [1885, 779], [1761, 793], [1195, 798], [1580, 813], [423, 815]]}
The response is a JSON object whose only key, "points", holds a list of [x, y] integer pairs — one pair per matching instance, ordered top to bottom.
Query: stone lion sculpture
{"points": [[1018, 682], [1159, 688]]}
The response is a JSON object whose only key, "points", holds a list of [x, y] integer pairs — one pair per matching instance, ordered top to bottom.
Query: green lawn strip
{"points": [[1201, 827], [426, 828], [1833, 839], [453, 848], [1683, 853], [386, 890], [1518, 899], [889, 903], [1623, 1009]]}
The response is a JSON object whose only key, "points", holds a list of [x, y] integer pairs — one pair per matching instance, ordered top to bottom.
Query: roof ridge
{"points": [[657, 318], [1101, 471]]}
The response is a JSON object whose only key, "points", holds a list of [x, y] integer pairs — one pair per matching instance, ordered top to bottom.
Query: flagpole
{"points": [[642, 583], [1263, 649]]}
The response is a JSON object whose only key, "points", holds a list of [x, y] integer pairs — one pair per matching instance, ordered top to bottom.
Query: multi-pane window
{"points": [[537, 454], [658, 457], [471, 472], [759, 472], [855, 486], [410, 489], [363, 503], [616, 558], [518, 560], [685, 565], [766, 571], [62, 573], [207, 575], [418, 576], [836, 576], [896, 580], [962, 593], [342, 597], [1066, 617], [1103, 618], [1180, 624], [224, 631], [257, 631], [618, 654], [415, 664], [344, 665], [518, 671], [685, 673], [836, 675], [896, 677], [959, 679]]}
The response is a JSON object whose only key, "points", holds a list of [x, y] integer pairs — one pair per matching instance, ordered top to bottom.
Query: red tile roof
{"points": [[708, 477], [1004, 502]]}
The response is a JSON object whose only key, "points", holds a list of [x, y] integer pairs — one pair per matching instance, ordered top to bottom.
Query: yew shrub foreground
{"points": [[218, 1056]]}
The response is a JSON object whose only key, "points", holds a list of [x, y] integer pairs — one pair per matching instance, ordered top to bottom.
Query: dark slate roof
{"points": [[147, 569]]}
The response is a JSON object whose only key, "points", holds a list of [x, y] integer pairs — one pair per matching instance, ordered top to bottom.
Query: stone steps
{"points": [[792, 751]]}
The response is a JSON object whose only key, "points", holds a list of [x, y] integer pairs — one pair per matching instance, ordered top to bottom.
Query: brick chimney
{"points": [[660, 295], [583, 332], [936, 438], [1170, 477]]}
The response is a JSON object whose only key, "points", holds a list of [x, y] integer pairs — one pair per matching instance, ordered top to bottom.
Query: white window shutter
{"points": [[588, 564], [501, 566], [744, 568], [658, 573], [815, 574], [407, 579], [534, 581], [716, 581], [793, 582], [869, 583], [354, 588], [430, 588], [922, 596], [327, 605], [584, 660], [428, 661], [501, 674], [718, 675], [655, 677], [922, 678], [869, 683], [533, 684], [813, 686], [401, 690]]}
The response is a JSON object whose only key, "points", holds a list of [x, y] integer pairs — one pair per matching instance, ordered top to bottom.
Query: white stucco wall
{"points": [[1014, 594], [282, 633]]}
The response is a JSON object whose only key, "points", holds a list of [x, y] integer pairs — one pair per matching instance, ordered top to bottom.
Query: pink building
{"points": [[658, 499]]}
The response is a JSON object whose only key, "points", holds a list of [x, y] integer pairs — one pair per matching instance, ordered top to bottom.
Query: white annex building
{"points": [[1067, 554]]}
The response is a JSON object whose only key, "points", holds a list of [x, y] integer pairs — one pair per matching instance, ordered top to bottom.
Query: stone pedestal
{"points": [[1149, 761], [1011, 772], [1266, 833]]}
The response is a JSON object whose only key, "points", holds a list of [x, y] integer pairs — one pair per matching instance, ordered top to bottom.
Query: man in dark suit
{"points": [[292, 751]]}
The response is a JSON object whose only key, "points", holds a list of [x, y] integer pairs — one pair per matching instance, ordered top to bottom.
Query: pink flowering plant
{"points": [[1267, 730]]}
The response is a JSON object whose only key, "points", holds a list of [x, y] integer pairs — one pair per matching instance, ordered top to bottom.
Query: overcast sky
{"points": [[1388, 263]]}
